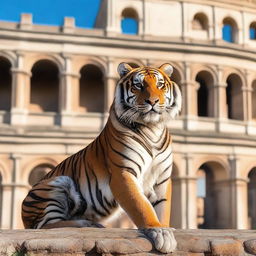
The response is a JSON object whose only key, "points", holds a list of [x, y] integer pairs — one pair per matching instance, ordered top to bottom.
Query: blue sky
{"points": [[51, 12]]}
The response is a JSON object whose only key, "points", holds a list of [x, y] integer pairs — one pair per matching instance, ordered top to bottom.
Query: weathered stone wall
{"points": [[107, 242]]}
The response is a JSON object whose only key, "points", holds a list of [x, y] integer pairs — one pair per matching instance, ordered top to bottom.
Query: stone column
{"points": [[110, 85], [20, 92], [69, 92], [189, 98], [249, 101], [238, 188], [19, 192], [179, 197], [190, 202], [6, 215]]}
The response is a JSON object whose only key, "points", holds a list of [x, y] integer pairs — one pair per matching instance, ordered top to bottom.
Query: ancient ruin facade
{"points": [[57, 84]]}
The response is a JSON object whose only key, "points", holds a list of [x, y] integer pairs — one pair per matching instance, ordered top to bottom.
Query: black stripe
{"points": [[121, 86], [130, 97], [118, 139], [165, 146], [146, 147], [125, 157], [165, 158], [128, 169], [163, 181], [98, 192], [40, 199], [158, 202], [93, 203], [54, 218]]}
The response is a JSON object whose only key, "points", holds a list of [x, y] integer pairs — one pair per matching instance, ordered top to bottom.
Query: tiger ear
{"points": [[123, 69], [167, 69], [177, 100]]}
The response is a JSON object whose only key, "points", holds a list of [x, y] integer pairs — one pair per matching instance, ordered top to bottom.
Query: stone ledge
{"points": [[107, 242]]}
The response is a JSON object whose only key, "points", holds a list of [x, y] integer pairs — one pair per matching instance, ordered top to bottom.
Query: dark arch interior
{"points": [[200, 22], [6, 84], [44, 87], [91, 89], [234, 97], [204, 98], [38, 173]]}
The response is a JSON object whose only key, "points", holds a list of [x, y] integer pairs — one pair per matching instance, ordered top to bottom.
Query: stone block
{"points": [[26, 21], [193, 244], [250, 246], [226, 247]]}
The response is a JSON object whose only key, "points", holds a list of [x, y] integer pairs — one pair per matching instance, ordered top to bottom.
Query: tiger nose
{"points": [[152, 102]]}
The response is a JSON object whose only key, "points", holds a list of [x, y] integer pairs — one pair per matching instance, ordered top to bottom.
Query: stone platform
{"points": [[107, 242]]}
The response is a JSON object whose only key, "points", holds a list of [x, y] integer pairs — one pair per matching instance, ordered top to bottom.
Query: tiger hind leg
{"points": [[53, 203]]}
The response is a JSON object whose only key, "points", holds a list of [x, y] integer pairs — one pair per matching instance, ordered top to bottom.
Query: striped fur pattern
{"points": [[127, 166]]}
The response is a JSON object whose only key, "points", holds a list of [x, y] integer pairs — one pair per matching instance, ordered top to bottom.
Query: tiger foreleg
{"points": [[127, 192], [162, 238]]}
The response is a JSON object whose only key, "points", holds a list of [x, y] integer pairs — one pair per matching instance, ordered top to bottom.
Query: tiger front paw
{"points": [[162, 238]]}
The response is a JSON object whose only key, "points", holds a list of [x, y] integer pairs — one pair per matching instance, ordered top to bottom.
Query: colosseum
{"points": [[57, 84]]}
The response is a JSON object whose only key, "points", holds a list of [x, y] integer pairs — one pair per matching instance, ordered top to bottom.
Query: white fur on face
{"points": [[130, 112]]}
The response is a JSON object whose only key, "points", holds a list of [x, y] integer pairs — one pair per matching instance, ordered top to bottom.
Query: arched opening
{"points": [[129, 21], [200, 22], [229, 30], [252, 31], [5, 84], [44, 87], [205, 94], [91, 96], [234, 97], [254, 100], [38, 173], [251, 188], [212, 195], [206, 205], [176, 207]]}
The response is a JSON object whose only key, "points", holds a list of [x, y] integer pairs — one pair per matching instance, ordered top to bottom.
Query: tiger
{"points": [[127, 167]]}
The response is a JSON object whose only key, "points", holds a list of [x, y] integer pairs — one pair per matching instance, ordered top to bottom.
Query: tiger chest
{"points": [[160, 167]]}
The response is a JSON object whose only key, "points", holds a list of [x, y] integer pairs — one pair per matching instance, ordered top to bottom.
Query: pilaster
{"points": [[20, 92], [69, 92]]}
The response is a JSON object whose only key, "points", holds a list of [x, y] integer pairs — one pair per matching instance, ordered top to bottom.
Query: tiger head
{"points": [[146, 95]]}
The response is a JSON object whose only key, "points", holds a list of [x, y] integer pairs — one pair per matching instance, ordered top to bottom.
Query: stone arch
{"points": [[129, 21], [200, 21], [230, 29], [252, 31], [10, 56], [31, 60], [133, 62], [79, 63], [6, 84], [45, 86], [91, 89], [205, 94], [234, 97], [253, 100], [220, 165], [26, 170], [38, 172], [5, 173], [248, 174], [210, 202]]}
